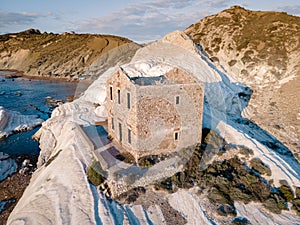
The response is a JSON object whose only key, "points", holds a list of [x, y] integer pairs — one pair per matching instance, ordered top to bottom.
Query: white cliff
{"points": [[12, 121], [8, 166], [59, 192]]}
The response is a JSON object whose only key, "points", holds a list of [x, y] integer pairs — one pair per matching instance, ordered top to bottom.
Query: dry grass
{"points": [[269, 36], [260, 49], [55, 55]]}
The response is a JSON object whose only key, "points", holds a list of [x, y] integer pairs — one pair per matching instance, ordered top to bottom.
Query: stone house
{"points": [[151, 115]]}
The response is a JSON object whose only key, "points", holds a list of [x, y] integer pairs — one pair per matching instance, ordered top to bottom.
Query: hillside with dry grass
{"points": [[262, 50], [50, 55]]}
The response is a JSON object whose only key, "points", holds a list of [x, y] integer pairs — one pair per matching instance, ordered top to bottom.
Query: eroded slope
{"points": [[261, 50], [66, 55]]}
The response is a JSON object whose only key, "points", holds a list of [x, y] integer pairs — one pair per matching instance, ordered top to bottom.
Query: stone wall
{"points": [[180, 77], [118, 113], [162, 118]]}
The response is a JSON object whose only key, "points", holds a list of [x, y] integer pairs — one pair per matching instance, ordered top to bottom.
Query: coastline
{"points": [[13, 73], [13, 187]]}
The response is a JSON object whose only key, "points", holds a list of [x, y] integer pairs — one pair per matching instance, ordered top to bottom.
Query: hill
{"points": [[261, 50], [50, 55], [233, 177]]}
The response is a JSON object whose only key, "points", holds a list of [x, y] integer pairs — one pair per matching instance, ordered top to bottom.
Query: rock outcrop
{"points": [[264, 46], [262, 50], [66, 55], [13, 121], [8, 166], [59, 192]]}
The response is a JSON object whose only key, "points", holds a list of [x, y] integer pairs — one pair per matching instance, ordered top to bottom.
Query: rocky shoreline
{"points": [[64, 56], [12, 74], [14, 122], [260, 173], [13, 185], [12, 188]]}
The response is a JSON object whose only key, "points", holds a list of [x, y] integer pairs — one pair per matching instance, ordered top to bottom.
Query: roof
{"points": [[150, 78], [144, 81]]}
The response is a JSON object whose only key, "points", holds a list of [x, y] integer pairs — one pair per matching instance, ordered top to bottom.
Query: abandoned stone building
{"points": [[151, 115]]}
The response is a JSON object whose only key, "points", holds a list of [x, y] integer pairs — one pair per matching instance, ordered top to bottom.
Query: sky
{"points": [[138, 20]]}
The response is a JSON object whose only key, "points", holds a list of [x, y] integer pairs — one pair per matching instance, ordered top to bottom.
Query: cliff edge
{"points": [[260, 49], [49, 55]]}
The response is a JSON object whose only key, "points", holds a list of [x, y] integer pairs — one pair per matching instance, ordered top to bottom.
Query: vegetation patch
{"points": [[265, 38], [65, 55], [214, 59], [232, 62], [245, 151], [126, 157], [148, 161], [260, 167], [95, 174], [229, 180], [224, 181], [286, 191], [297, 192], [131, 195], [148, 198], [296, 206], [240, 221]]}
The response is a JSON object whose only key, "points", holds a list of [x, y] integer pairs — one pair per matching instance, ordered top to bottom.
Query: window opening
{"points": [[111, 92], [119, 96], [128, 100], [177, 100], [112, 124], [120, 132], [129, 136], [176, 136]]}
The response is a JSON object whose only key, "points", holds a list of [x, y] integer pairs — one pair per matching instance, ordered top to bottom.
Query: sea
{"points": [[29, 97]]}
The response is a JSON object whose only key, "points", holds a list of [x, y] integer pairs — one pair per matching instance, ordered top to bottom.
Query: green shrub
{"points": [[232, 62], [109, 137], [245, 151], [126, 157], [146, 162], [260, 167], [95, 174], [286, 192], [298, 192], [216, 196], [272, 205], [296, 206]]}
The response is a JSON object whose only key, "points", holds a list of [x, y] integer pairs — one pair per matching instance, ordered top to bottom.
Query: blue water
{"points": [[29, 97]]}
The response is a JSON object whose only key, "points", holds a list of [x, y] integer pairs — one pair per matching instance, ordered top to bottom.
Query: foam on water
{"points": [[29, 98]]}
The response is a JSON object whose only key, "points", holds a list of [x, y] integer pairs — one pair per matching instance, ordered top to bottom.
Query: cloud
{"points": [[176, 4], [218, 4], [245, 4], [213, 5], [291, 9], [16, 19], [146, 21]]}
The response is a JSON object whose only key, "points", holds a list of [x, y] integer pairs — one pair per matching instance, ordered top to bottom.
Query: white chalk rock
{"points": [[12, 121]]}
